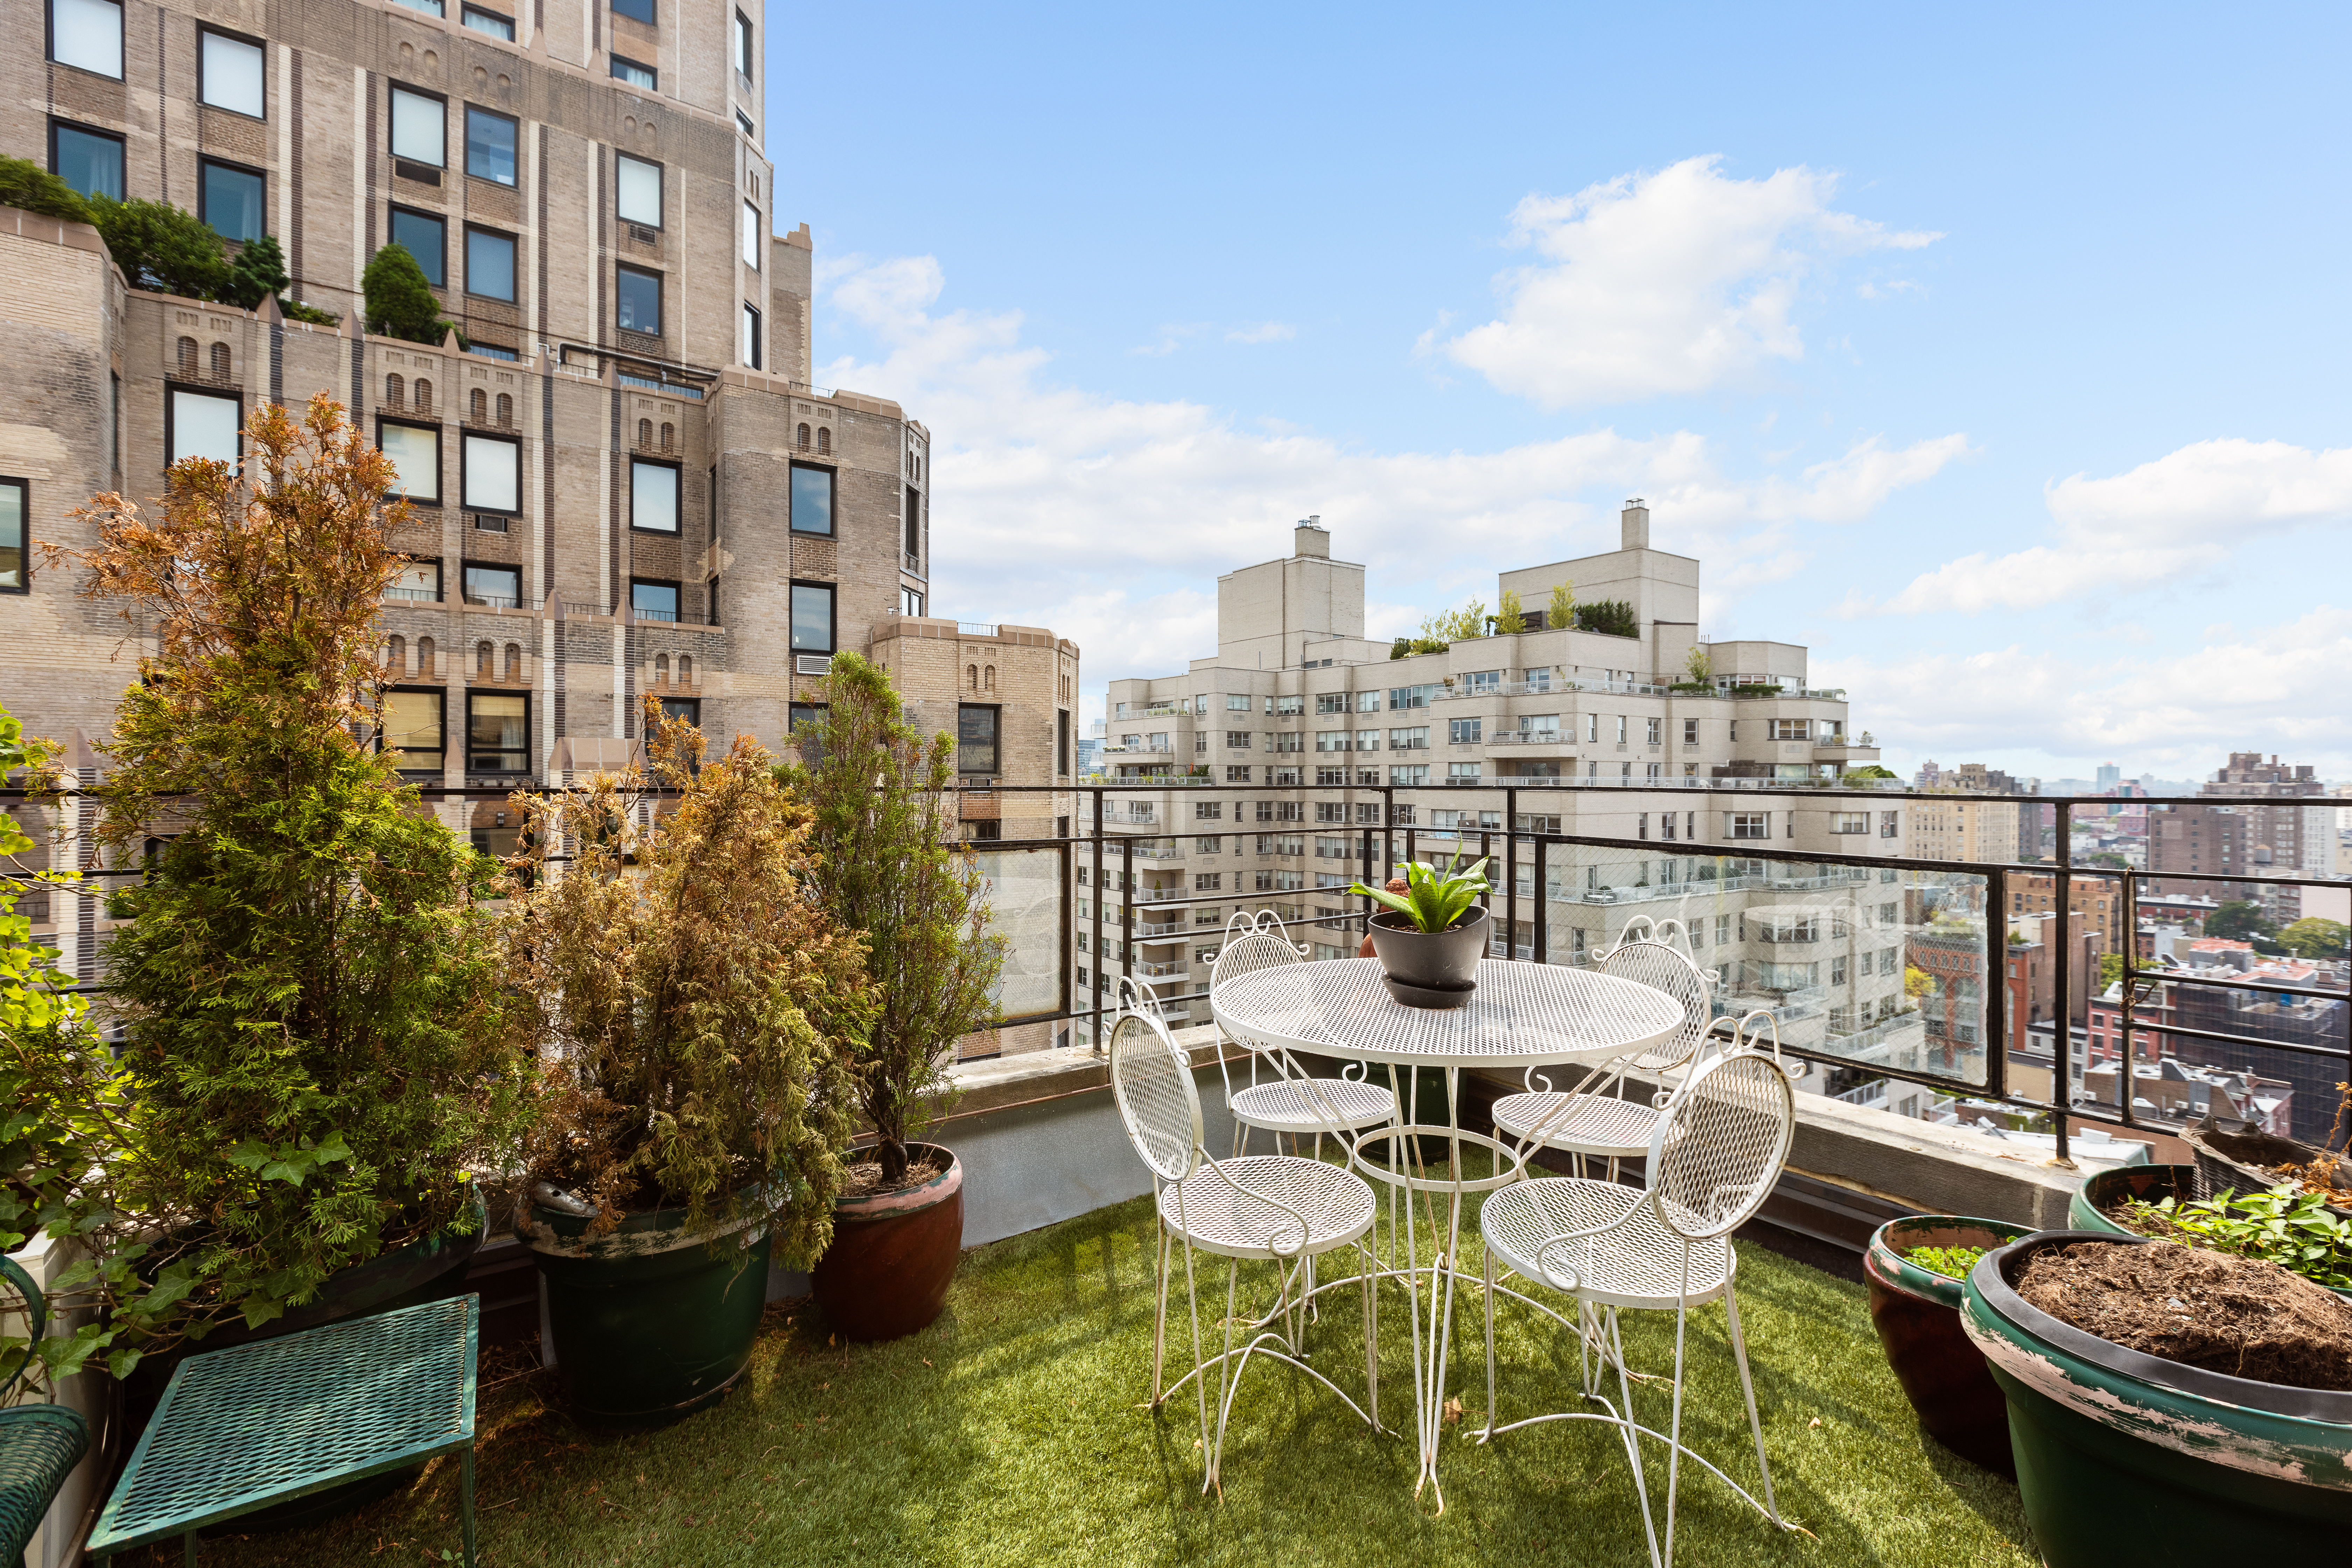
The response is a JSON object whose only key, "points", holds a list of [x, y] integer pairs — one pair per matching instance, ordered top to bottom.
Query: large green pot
{"points": [[2104, 1189], [1916, 1313], [649, 1323], [2130, 1459]]}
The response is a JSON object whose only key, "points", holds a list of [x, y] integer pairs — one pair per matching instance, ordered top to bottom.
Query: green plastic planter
{"points": [[2152, 1183], [1916, 1313], [648, 1324], [2128, 1459]]}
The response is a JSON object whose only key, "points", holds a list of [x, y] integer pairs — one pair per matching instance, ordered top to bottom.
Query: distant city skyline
{"points": [[1999, 412]]}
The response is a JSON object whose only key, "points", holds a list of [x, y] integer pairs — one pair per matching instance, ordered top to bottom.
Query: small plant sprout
{"points": [[1432, 899]]}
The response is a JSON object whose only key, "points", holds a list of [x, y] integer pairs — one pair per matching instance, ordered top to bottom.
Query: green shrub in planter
{"points": [[311, 1067]]}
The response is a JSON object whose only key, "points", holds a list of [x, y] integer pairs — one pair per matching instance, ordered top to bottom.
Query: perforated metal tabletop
{"points": [[1522, 1014], [258, 1424]]}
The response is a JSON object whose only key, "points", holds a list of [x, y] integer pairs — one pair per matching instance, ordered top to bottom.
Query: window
{"points": [[635, 10], [488, 22], [88, 34], [743, 46], [228, 73], [636, 75], [743, 124], [420, 127], [489, 146], [89, 160], [638, 191], [230, 197], [752, 232], [424, 237], [489, 264], [641, 300], [751, 344], [203, 424], [415, 454], [493, 470], [653, 496], [812, 503], [915, 530], [15, 576], [419, 583], [496, 587], [651, 601], [910, 603], [811, 617], [1483, 682], [1410, 696], [1286, 706], [688, 708], [1539, 727], [1592, 727], [1621, 728], [1656, 729], [1791, 729], [412, 731], [1465, 731], [1690, 731], [498, 733], [976, 739], [1367, 739], [1237, 740], [1412, 740], [1287, 741], [1061, 744], [1462, 773], [1237, 775], [1408, 776], [1850, 822], [1887, 823], [1744, 824]]}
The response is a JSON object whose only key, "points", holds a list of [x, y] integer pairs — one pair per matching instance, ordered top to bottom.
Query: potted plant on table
{"points": [[890, 865], [1430, 938], [697, 1013], [2165, 1403]]}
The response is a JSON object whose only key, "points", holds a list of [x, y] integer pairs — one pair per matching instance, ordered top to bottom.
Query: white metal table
{"points": [[1523, 1014]]}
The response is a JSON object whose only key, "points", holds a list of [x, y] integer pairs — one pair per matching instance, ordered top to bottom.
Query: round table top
{"points": [[1522, 1014]]}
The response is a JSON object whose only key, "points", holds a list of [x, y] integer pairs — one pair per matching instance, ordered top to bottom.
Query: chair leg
{"points": [[1490, 1281], [1370, 1287], [1160, 1315], [1613, 1343], [1200, 1379], [1747, 1391], [1674, 1429], [466, 1486]]}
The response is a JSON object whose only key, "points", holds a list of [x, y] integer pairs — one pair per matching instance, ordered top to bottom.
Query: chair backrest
{"points": [[1252, 942], [1655, 964], [1138, 996], [1151, 1079], [1718, 1148], [37, 1307]]}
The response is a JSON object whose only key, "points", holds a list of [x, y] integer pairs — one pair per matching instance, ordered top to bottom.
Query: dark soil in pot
{"points": [[2103, 1195], [894, 1252], [1915, 1311], [2239, 1316]]}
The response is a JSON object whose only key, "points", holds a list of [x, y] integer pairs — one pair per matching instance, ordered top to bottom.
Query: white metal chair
{"points": [[1290, 1103], [1592, 1122], [1712, 1160], [1274, 1207]]}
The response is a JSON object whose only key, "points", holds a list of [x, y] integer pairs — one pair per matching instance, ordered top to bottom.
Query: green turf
{"points": [[1013, 1432]]}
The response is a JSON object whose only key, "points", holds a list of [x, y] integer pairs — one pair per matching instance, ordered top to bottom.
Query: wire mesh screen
{"points": [[1024, 890], [1655, 964]]}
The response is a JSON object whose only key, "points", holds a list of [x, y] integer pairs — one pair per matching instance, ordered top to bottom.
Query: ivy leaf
{"points": [[250, 1155]]}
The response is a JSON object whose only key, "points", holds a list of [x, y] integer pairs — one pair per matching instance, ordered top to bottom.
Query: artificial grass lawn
{"points": [[1013, 1432]]}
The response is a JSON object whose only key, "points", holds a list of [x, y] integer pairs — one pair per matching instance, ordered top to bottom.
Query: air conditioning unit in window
{"points": [[644, 235], [488, 522], [811, 663]]}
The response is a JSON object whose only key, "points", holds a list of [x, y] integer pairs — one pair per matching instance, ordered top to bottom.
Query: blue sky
{"points": [[1997, 356]]}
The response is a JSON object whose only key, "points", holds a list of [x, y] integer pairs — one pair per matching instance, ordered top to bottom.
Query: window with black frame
{"points": [[89, 161], [14, 495], [812, 499], [813, 618], [688, 709], [800, 727], [414, 732], [498, 732], [976, 747]]}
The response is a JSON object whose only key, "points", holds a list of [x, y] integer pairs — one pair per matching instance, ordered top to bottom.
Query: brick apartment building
{"points": [[623, 482], [2268, 820]]}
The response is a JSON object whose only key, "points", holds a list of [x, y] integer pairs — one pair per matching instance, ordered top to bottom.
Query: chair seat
{"points": [[1290, 1105], [1591, 1123], [1336, 1204], [1638, 1262]]}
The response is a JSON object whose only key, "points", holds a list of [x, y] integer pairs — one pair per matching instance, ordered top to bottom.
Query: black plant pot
{"points": [[1429, 969]]}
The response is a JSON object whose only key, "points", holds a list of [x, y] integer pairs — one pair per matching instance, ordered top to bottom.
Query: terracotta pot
{"points": [[886, 1275], [1916, 1313]]}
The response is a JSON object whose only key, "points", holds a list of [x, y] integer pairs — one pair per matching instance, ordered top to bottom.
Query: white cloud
{"points": [[1675, 281], [1263, 333], [1093, 514], [2180, 515], [2278, 689]]}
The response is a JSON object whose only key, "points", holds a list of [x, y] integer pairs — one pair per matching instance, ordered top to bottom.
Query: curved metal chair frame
{"points": [[1288, 1102], [1593, 1120], [1713, 1159], [1272, 1207], [40, 1443]]}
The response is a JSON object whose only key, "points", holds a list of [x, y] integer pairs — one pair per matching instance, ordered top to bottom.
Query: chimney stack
{"points": [[1635, 520], [1309, 539]]}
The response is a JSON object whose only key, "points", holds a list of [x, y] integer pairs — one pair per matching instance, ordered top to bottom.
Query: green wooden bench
{"points": [[266, 1423], [40, 1443]]}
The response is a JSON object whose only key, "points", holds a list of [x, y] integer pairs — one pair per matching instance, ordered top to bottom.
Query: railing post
{"points": [[1511, 869], [1127, 903], [1997, 988], [1095, 1002], [2124, 1079], [2062, 1087]]}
